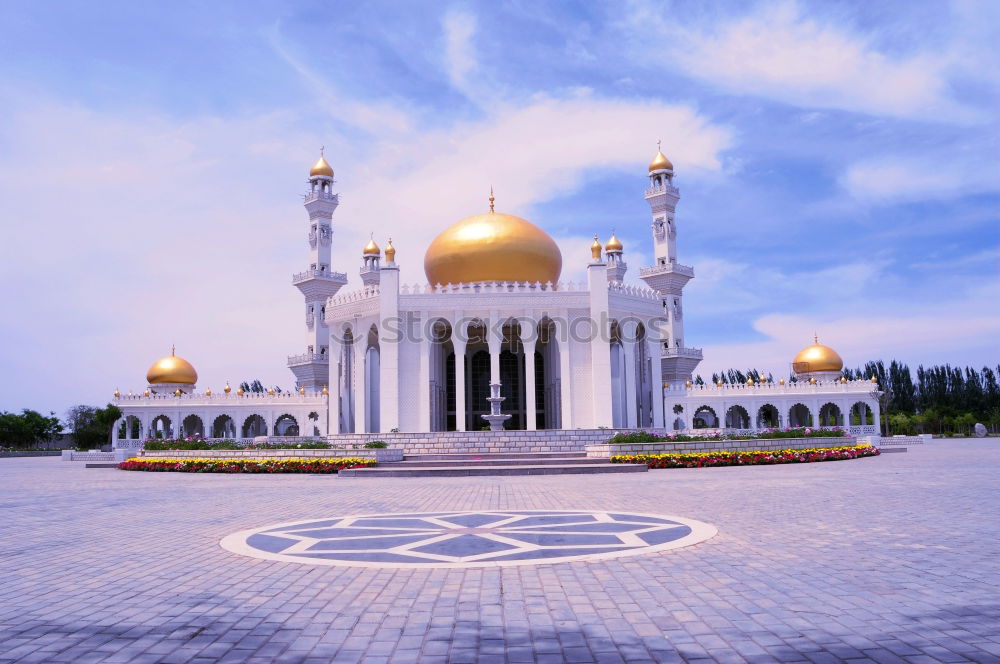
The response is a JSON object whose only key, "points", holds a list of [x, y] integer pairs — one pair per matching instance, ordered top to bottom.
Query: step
{"points": [[581, 454], [488, 460], [101, 465], [393, 470]]}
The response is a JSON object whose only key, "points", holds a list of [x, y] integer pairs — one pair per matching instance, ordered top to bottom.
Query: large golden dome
{"points": [[492, 247], [817, 357], [172, 369]]}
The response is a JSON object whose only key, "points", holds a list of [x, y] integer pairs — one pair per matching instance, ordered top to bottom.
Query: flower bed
{"points": [[638, 437], [195, 443], [756, 458], [312, 466]]}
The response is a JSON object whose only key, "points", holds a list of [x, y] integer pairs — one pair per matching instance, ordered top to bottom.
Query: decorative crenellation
{"points": [[633, 291], [353, 296], [860, 386], [278, 398]]}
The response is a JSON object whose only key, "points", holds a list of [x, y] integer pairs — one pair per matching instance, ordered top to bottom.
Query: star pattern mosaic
{"points": [[468, 539]]}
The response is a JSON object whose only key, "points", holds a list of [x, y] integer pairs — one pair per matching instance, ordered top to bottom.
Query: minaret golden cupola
{"points": [[660, 161], [322, 167], [371, 249]]}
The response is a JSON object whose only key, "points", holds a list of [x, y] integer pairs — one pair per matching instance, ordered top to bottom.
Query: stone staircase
{"points": [[507, 463]]}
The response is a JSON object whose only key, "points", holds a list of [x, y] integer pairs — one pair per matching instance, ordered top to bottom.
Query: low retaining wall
{"points": [[906, 440], [606, 451], [31, 453], [72, 455], [380, 455]]}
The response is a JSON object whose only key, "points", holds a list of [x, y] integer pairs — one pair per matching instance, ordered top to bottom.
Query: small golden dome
{"points": [[660, 162], [321, 167], [614, 244], [492, 247], [371, 249], [595, 249], [390, 252], [817, 357], [172, 369], [874, 380], [750, 381], [812, 381], [843, 381], [781, 382], [687, 383], [718, 383], [227, 389], [302, 390], [239, 391], [270, 391], [325, 391], [177, 392], [208, 392], [117, 393], [146, 393]]}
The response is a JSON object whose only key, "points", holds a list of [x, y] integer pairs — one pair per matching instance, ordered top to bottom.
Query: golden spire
{"points": [[491, 199], [595, 249], [390, 252], [173, 349], [227, 389]]}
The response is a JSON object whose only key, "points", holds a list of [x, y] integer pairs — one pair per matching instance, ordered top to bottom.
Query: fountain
{"points": [[495, 418]]}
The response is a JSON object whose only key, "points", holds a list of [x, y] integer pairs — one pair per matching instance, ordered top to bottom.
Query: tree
{"points": [[256, 387], [92, 427], [28, 428]]}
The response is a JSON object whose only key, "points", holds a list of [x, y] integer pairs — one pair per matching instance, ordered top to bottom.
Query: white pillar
{"points": [[528, 330], [494, 339], [390, 341], [459, 345], [600, 348], [336, 353], [565, 376], [424, 377], [631, 377], [656, 381], [360, 383]]}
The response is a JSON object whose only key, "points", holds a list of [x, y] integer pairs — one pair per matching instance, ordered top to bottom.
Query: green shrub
{"points": [[376, 445]]}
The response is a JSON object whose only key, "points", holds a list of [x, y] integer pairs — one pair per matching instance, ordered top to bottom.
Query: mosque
{"points": [[392, 357]]}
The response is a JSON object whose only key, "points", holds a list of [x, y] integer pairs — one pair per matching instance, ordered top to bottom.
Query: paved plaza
{"points": [[887, 559]]}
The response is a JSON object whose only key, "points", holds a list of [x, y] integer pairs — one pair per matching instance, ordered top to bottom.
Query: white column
{"points": [[528, 330], [494, 339], [459, 345], [389, 348], [600, 349], [336, 353], [565, 376], [424, 377], [631, 377], [656, 381], [360, 384]]}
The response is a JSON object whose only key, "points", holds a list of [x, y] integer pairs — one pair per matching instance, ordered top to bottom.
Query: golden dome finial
{"points": [[660, 161], [322, 166], [491, 199], [614, 244], [371, 249], [595, 249], [390, 252], [227, 389], [302, 390], [326, 392], [117, 393]]}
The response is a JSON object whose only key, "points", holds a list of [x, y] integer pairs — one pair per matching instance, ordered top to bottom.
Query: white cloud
{"points": [[779, 52], [460, 58], [928, 177]]}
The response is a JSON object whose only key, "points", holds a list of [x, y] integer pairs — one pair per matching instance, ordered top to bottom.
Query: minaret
{"points": [[616, 263], [668, 277], [312, 369]]}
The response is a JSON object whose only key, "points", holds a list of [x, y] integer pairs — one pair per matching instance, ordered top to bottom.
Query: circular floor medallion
{"points": [[468, 539]]}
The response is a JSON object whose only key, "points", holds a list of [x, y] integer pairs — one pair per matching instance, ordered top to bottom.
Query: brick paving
{"points": [[889, 559]]}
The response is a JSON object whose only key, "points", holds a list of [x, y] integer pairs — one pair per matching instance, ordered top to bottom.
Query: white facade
{"points": [[419, 358]]}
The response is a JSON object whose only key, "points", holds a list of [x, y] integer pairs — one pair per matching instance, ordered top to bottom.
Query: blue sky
{"points": [[838, 166]]}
